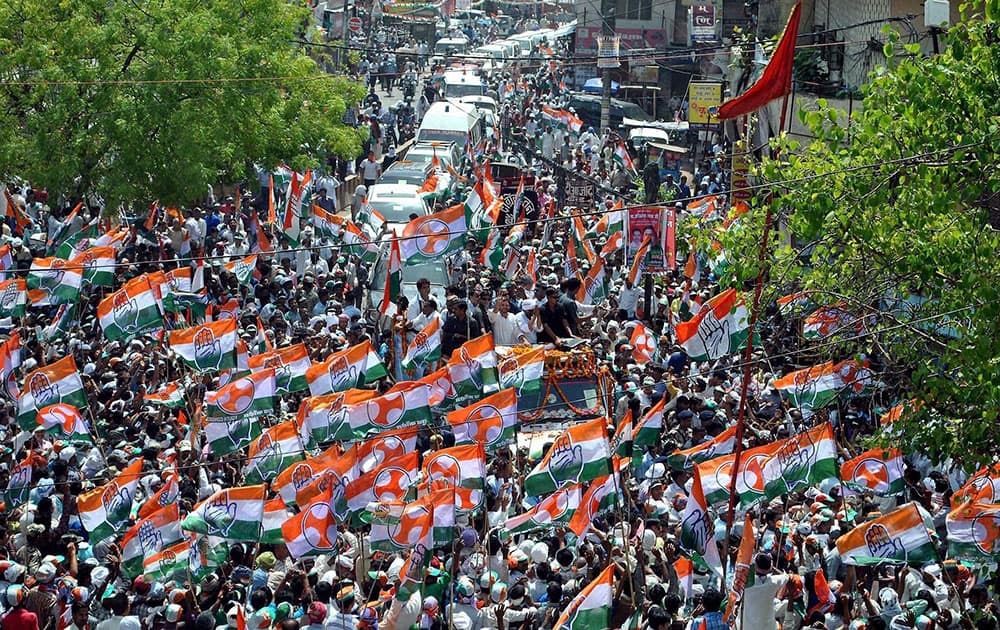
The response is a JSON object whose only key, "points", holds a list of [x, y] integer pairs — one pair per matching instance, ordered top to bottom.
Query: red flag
{"points": [[777, 78]]}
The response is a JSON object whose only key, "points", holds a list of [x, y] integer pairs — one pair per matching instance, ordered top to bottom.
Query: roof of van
{"points": [[452, 40], [459, 76], [446, 111]]}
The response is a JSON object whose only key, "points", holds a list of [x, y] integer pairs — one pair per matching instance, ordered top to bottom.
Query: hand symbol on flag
{"points": [[714, 336], [207, 349], [566, 462], [220, 515]]}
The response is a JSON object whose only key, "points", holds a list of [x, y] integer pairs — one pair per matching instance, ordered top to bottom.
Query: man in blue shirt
{"points": [[711, 618]]}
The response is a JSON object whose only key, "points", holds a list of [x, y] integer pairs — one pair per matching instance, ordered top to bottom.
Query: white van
{"points": [[466, 18], [451, 45], [456, 84], [449, 121]]}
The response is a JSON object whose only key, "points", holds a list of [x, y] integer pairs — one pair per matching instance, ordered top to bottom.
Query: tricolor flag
{"points": [[622, 157], [296, 206], [370, 220], [326, 223], [435, 235], [581, 242], [362, 246], [492, 254], [639, 260], [6, 261], [98, 265], [243, 268], [54, 277], [595, 284], [13, 297], [793, 302], [130, 311], [826, 321], [720, 328], [643, 344], [207, 348], [425, 348], [10, 360], [290, 365], [354, 367], [473, 368], [523, 371], [57, 382], [811, 388], [440, 392], [170, 395], [405, 404], [233, 411], [325, 418], [65, 422], [492, 422], [650, 426], [622, 441], [722, 444], [385, 447], [275, 450], [581, 453], [801, 461], [462, 467], [879, 471], [300, 474], [716, 475], [337, 476], [388, 483], [19, 484], [982, 487], [601, 495], [163, 497], [556, 509], [104, 511], [233, 514], [275, 515], [426, 523], [698, 527], [313, 531], [974, 532], [899, 536], [148, 537], [170, 563], [743, 575], [685, 576], [592, 607]]}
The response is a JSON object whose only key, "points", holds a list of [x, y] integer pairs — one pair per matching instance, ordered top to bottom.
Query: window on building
{"points": [[632, 9], [646, 10]]}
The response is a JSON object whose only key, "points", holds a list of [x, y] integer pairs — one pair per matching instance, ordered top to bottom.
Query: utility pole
{"points": [[608, 15]]}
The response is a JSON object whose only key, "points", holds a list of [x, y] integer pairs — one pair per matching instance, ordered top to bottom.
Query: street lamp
{"points": [[937, 19]]}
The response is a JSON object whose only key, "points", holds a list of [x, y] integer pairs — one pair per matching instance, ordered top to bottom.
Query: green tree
{"points": [[139, 100], [897, 217]]}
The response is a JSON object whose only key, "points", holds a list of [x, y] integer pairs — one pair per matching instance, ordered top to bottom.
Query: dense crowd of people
{"points": [[489, 570]]}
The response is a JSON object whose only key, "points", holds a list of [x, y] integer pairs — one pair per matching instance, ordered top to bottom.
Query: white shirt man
{"points": [[505, 324], [528, 326]]}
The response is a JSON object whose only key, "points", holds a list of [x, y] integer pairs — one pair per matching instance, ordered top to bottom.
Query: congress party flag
{"points": [[297, 205], [326, 223], [435, 235], [360, 243], [6, 261], [639, 262], [98, 264], [243, 268], [57, 279], [393, 279], [595, 284], [13, 297], [130, 311], [827, 320], [720, 328], [643, 344], [209, 347], [425, 348], [10, 360], [290, 365], [354, 367], [473, 368], [522, 371], [57, 382], [812, 388], [441, 393], [170, 396], [247, 398], [405, 404], [327, 417], [65, 422], [492, 422], [650, 426], [621, 441], [722, 444], [385, 448], [275, 450], [581, 453], [801, 461], [463, 468], [879, 471], [300, 474], [716, 475], [337, 476], [388, 483], [19, 484], [982, 487], [600, 496], [163, 497], [556, 509], [104, 511], [233, 514], [275, 515], [427, 522], [698, 527], [313, 531], [974, 532], [149, 536], [899, 536], [171, 562], [743, 575], [685, 576], [591, 608]]}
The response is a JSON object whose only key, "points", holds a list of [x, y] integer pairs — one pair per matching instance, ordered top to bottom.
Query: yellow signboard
{"points": [[704, 99]]}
